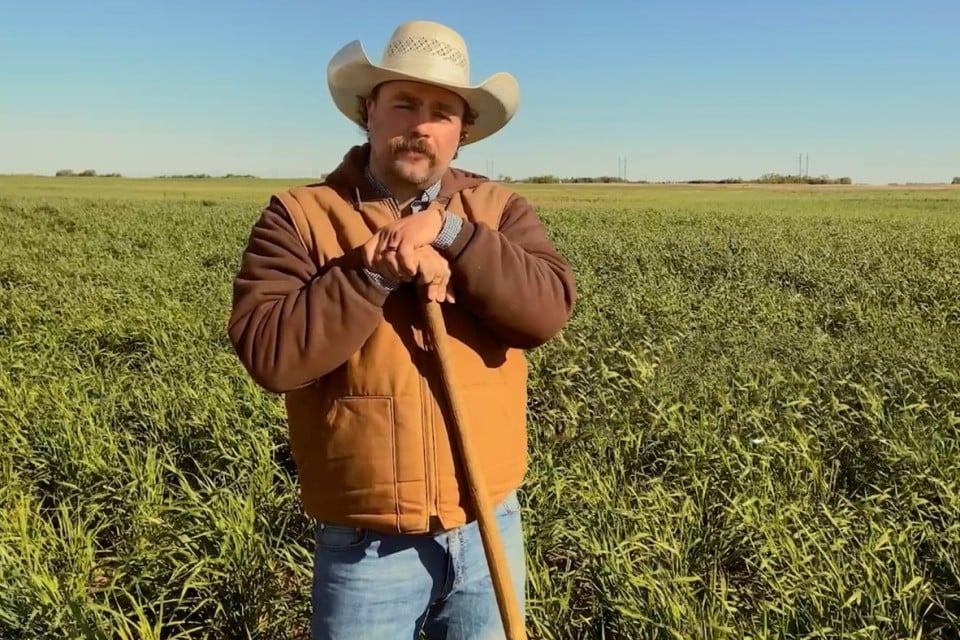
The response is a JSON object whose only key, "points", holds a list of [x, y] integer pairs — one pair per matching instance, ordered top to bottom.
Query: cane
{"points": [[489, 533]]}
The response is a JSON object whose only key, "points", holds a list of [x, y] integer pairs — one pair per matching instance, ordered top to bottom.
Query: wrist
{"points": [[382, 282]]}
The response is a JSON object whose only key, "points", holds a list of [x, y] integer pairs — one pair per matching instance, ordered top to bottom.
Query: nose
{"points": [[420, 121]]}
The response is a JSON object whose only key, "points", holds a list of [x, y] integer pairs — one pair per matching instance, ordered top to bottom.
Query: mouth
{"points": [[411, 149], [412, 154]]}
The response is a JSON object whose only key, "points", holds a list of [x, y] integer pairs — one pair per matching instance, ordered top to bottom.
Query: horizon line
{"points": [[567, 181]]}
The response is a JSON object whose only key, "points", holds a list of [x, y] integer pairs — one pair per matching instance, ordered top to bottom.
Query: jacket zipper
{"points": [[432, 424], [428, 433], [429, 450]]}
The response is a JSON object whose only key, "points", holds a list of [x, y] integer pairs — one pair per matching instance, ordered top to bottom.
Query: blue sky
{"points": [[683, 90]]}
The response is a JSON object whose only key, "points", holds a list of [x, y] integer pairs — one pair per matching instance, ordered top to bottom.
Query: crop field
{"points": [[749, 429]]}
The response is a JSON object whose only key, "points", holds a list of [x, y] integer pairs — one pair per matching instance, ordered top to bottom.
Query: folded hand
{"points": [[410, 233], [391, 251], [424, 265]]}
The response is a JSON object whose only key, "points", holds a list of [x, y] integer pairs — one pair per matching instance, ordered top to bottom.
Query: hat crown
{"points": [[428, 48], [426, 52]]}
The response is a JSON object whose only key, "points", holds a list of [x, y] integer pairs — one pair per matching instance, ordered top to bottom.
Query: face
{"points": [[414, 131]]}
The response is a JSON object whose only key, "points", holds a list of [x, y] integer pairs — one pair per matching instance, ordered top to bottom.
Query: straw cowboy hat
{"points": [[428, 52]]}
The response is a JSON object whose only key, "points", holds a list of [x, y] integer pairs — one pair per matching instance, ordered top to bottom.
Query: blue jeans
{"points": [[373, 585]]}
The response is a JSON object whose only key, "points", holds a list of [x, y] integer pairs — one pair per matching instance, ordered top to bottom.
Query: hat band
{"points": [[435, 69]]}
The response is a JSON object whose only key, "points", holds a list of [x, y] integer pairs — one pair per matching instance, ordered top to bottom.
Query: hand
{"points": [[412, 232], [391, 251], [390, 263], [430, 269], [433, 275]]}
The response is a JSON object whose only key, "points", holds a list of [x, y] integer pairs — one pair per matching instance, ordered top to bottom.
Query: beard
{"points": [[413, 169]]}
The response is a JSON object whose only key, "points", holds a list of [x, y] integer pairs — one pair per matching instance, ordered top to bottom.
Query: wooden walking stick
{"points": [[489, 533]]}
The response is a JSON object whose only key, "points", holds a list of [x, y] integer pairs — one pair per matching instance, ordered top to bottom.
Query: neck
{"points": [[402, 190]]}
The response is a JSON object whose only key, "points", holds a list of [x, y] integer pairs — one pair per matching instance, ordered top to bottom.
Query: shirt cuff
{"points": [[452, 224], [380, 281]]}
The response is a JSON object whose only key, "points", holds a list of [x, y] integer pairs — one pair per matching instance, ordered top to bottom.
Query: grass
{"points": [[750, 428]]}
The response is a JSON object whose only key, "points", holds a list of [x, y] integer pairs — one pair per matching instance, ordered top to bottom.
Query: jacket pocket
{"points": [[358, 449]]}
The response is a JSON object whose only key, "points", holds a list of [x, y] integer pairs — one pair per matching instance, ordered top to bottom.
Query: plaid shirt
{"points": [[418, 205], [451, 223]]}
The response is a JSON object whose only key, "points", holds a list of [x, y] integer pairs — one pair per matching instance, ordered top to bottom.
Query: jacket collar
{"points": [[349, 178]]}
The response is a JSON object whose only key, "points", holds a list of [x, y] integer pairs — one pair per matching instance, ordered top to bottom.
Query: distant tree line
{"points": [[87, 173], [90, 173], [205, 176], [767, 178], [777, 178], [551, 179]]}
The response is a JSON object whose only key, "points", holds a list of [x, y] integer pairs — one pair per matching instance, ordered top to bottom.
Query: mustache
{"points": [[398, 145]]}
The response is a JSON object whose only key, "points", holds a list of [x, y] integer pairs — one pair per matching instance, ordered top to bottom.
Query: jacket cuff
{"points": [[461, 240]]}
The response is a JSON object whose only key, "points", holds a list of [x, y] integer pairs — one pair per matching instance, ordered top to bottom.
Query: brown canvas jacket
{"points": [[367, 420]]}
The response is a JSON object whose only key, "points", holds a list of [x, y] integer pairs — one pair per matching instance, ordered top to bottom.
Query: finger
{"points": [[379, 238], [386, 241], [371, 252], [407, 261], [389, 264], [426, 269], [400, 271], [442, 279], [440, 286], [425, 293]]}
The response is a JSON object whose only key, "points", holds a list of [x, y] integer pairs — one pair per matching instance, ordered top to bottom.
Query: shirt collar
{"points": [[427, 195]]}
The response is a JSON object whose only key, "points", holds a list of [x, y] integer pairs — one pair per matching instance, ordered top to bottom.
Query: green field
{"points": [[750, 428]]}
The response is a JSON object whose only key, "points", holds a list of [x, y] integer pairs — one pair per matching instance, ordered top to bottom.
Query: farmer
{"points": [[328, 310]]}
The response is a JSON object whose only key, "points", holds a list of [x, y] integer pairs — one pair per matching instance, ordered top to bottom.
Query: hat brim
{"points": [[351, 74]]}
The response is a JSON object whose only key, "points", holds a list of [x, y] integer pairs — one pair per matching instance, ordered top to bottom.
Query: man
{"points": [[328, 310]]}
